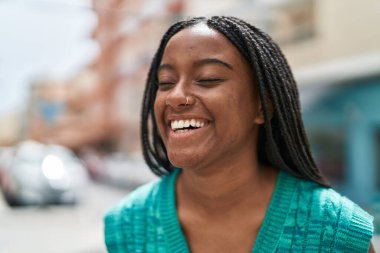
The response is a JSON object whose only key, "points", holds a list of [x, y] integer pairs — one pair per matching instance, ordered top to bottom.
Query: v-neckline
{"points": [[270, 229]]}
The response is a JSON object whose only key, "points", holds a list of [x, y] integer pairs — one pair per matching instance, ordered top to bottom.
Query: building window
{"points": [[292, 21]]}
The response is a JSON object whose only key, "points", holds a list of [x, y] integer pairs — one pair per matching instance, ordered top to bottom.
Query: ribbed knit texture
{"points": [[302, 217]]}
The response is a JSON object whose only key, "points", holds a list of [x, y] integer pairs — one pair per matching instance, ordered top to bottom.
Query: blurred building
{"points": [[341, 31], [338, 70], [341, 103], [46, 106], [74, 114]]}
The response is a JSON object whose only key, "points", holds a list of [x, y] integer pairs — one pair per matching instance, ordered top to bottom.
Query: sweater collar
{"points": [[270, 230]]}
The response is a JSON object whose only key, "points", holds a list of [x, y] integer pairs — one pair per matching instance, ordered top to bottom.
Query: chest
{"points": [[222, 236]]}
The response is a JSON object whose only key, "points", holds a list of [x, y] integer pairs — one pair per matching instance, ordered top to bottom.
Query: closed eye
{"points": [[210, 80], [165, 85]]}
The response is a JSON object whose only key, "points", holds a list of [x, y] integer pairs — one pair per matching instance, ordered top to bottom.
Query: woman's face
{"points": [[206, 83]]}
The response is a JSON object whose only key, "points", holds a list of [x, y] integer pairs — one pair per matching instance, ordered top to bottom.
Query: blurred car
{"points": [[117, 169], [41, 174]]}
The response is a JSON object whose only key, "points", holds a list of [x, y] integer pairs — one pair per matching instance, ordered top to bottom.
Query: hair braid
{"points": [[257, 54], [272, 71], [286, 76]]}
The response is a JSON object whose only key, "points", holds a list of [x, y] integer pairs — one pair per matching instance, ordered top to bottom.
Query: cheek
{"points": [[159, 106], [242, 106], [237, 113]]}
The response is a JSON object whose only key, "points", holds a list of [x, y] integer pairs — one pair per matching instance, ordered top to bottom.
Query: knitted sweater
{"points": [[301, 217]]}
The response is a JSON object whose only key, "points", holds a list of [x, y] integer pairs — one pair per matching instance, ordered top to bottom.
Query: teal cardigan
{"points": [[302, 217]]}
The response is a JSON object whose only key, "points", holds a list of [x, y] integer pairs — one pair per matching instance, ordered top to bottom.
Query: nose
{"points": [[180, 97]]}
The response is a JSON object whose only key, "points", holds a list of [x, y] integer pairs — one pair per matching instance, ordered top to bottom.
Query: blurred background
{"points": [[72, 74]]}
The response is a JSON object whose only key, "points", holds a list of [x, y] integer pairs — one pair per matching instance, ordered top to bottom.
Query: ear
{"points": [[259, 119]]}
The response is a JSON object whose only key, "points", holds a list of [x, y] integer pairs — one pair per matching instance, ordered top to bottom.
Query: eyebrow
{"points": [[213, 61], [199, 64], [165, 66]]}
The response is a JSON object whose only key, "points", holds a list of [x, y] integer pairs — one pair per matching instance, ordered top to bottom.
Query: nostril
{"points": [[189, 101], [179, 102]]}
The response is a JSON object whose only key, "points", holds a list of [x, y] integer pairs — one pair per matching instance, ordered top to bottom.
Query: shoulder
{"points": [[141, 198], [117, 220], [124, 221], [341, 223]]}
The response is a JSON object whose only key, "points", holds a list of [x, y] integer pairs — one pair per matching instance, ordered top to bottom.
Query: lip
{"points": [[188, 135]]}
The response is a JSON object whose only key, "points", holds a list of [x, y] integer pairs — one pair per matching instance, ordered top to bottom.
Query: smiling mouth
{"points": [[181, 126]]}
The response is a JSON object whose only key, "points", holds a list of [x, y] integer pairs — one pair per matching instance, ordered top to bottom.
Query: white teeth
{"points": [[179, 124]]}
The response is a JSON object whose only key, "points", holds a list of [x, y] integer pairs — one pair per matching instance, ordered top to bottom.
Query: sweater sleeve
{"points": [[359, 231]]}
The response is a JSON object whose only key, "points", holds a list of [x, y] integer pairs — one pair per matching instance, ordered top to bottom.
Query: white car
{"points": [[41, 174]]}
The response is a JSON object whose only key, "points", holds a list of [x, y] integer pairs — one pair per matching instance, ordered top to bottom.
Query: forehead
{"points": [[200, 40]]}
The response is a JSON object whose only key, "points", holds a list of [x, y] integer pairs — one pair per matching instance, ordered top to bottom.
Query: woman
{"points": [[224, 108]]}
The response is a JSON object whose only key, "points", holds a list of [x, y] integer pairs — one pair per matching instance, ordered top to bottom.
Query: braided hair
{"points": [[282, 141]]}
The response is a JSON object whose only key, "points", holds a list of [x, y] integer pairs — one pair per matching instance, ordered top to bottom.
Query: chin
{"points": [[184, 159]]}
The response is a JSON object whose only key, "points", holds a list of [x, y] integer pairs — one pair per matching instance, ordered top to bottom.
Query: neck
{"points": [[234, 187]]}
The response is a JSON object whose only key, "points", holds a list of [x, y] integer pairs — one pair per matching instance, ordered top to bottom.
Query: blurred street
{"points": [[59, 229]]}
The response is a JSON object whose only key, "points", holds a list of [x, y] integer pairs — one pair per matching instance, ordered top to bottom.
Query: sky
{"points": [[41, 38]]}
